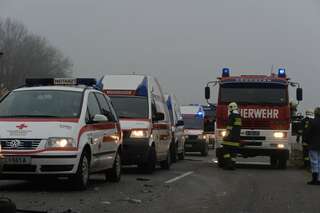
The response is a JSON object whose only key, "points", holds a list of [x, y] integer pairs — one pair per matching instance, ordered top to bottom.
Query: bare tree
{"points": [[28, 55]]}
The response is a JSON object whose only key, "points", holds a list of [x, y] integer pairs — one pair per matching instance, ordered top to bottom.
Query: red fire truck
{"points": [[265, 111]]}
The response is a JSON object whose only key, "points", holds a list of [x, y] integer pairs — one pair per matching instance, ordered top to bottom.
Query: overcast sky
{"points": [[184, 43]]}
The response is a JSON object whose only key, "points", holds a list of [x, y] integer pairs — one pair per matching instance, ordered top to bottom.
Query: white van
{"points": [[144, 118], [196, 139], [177, 149]]}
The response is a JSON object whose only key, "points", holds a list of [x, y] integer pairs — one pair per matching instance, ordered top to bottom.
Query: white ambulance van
{"points": [[144, 119], [59, 127], [177, 127], [196, 139]]}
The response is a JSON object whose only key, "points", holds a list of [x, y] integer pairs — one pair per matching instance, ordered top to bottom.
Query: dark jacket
{"points": [[305, 126], [234, 128], [313, 134]]}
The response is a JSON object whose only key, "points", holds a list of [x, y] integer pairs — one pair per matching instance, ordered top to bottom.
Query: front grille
{"points": [[193, 137], [253, 138], [19, 144], [19, 168], [56, 168]]}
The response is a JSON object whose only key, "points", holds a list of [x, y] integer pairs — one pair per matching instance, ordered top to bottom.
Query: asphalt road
{"points": [[193, 185]]}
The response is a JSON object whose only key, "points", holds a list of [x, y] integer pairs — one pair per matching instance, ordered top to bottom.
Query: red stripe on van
{"points": [[70, 120], [161, 126], [95, 127]]}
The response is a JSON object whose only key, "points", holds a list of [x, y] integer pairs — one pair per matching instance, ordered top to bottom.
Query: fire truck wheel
{"points": [[220, 158], [273, 162], [282, 162], [114, 174], [80, 179]]}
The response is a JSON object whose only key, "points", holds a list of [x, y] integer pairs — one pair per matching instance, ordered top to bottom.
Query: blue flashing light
{"points": [[225, 72], [282, 73], [99, 84], [142, 89], [169, 103], [200, 114]]}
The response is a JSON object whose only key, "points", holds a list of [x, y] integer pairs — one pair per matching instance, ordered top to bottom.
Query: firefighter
{"points": [[305, 123], [313, 140], [231, 142]]}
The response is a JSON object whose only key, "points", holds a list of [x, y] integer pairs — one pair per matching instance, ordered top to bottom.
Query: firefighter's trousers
{"points": [[229, 156]]}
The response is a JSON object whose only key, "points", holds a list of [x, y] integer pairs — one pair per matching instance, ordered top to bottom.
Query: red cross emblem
{"points": [[22, 126]]}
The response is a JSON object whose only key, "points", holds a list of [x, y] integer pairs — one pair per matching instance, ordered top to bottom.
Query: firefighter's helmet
{"points": [[233, 106], [317, 112], [309, 114]]}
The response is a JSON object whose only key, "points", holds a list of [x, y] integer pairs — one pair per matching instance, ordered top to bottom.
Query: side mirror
{"points": [[207, 93], [299, 94], [159, 116], [99, 118], [180, 123]]}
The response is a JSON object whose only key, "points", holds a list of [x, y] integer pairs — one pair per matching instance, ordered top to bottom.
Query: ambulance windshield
{"points": [[254, 95], [41, 104], [131, 106], [193, 122]]}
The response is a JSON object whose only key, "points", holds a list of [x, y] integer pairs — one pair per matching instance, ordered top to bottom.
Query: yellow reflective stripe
{"points": [[237, 122], [229, 127], [228, 143], [304, 144], [227, 156], [306, 158]]}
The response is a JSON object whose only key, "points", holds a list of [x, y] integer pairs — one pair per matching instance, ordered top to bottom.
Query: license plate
{"points": [[253, 133], [188, 145], [17, 160]]}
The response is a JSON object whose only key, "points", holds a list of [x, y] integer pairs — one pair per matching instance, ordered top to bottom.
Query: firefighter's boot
{"points": [[314, 180]]}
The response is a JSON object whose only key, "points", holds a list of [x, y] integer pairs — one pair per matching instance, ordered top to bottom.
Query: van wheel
{"points": [[205, 150], [173, 152], [181, 155], [166, 163], [150, 166], [114, 174], [81, 178]]}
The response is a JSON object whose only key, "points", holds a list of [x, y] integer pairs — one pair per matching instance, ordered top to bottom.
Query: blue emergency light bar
{"points": [[225, 72], [282, 73], [31, 82]]}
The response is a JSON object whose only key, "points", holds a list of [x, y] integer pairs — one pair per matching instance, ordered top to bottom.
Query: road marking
{"points": [[215, 161], [179, 177]]}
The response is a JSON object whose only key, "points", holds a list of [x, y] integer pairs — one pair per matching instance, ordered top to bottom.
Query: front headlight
{"points": [[223, 133], [139, 134], [279, 135], [202, 137], [60, 143]]}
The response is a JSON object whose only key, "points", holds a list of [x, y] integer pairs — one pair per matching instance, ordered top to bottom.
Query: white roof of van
{"points": [[122, 82], [190, 109]]}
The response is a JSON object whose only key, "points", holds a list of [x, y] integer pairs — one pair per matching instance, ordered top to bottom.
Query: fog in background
{"points": [[184, 43]]}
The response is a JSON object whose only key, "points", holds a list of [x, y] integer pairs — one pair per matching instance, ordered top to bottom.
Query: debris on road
{"points": [[134, 201], [106, 203]]}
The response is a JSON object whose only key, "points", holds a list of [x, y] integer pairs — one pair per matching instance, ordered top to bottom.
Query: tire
{"points": [[205, 150], [173, 152], [181, 155], [220, 159], [274, 162], [282, 163], [166, 164], [150, 166], [114, 174], [81, 178]]}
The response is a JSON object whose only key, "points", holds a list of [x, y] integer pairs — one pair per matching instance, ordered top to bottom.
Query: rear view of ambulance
{"points": [[144, 118], [59, 127]]}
